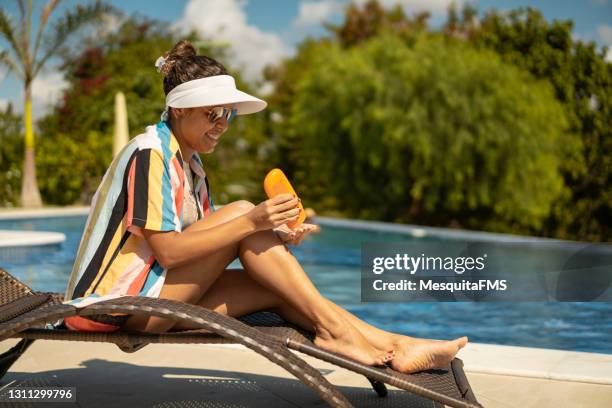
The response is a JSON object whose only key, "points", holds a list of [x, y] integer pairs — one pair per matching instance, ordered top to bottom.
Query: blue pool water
{"points": [[332, 260]]}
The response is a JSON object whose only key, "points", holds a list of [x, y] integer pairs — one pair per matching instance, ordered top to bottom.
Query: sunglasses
{"points": [[219, 112]]}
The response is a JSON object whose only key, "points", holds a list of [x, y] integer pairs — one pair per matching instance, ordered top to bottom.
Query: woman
{"points": [[153, 231]]}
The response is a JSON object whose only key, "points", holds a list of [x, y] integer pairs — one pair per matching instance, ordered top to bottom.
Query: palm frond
{"points": [[22, 8], [25, 13], [44, 17], [71, 22], [7, 30], [6, 60]]}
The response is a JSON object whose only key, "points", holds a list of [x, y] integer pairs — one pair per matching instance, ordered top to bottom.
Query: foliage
{"points": [[361, 24], [23, 59], [578, 73], [582, 81], [498, 122], [82, 123], [437, 133], [11, 147], [71, 170]]}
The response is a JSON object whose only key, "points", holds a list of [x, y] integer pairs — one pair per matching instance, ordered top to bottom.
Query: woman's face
{"points": [[196, 131]]}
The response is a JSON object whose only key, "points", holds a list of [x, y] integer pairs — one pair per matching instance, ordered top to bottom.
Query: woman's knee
{"points": [[242, 206], [233, 210], [224, 214]]}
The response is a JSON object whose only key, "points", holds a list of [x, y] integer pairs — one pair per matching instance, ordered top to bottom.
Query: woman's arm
{"points": [[173, 248]]}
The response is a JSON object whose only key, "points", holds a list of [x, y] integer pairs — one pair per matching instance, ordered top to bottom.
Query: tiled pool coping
{"points": [[19, 213], [414, 230], [423, 231], [530, 362], [560, 365]]}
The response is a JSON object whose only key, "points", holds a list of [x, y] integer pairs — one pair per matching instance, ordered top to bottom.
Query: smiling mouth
{"points": [[214, 136]]}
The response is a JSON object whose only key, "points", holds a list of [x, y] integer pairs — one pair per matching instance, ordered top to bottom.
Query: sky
{"points": [[263, 32]]}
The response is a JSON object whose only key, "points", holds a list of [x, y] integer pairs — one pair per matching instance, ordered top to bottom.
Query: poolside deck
{"points": [[184, 375]]}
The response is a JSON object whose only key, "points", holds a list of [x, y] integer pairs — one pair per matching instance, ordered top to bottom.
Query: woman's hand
{"points": [[274, 212], [295, 236]]}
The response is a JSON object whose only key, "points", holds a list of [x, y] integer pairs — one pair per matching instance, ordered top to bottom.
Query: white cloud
{"points": [[415, 6], [315, 12], [109, 23], [605, 32], [250, 48], [46, 90]]}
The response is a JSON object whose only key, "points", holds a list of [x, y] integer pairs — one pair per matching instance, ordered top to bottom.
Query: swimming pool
{"points": [[332, 260]]}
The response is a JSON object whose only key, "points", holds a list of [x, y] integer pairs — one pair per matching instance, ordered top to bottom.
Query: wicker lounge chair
{"points": [[30, 315]]}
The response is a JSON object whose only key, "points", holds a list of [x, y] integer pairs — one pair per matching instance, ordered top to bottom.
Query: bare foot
{"points": [[348, 341], [420, 354]]}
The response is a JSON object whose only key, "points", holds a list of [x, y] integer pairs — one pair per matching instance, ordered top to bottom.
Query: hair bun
{"points": [[182, 50]]}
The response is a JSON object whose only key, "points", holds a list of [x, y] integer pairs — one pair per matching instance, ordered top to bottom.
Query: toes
{"points": [[385, 358]]}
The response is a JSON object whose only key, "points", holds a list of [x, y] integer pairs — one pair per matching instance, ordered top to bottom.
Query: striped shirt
{"points": [[142, 189]]}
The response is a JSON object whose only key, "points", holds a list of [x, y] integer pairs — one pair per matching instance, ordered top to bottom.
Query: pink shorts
{"points": [[91, 324]]}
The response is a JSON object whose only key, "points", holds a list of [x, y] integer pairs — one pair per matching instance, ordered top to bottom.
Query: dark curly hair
{"points": [[183, 64]]}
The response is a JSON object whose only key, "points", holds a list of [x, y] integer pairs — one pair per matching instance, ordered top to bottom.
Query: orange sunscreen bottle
{"points": [[277, 183]]}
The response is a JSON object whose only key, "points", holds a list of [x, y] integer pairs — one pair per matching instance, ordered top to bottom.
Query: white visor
{"points": [[213, 91]]}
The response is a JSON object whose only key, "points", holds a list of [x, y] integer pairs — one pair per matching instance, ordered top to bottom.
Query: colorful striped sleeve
{"points": [[151, 203]]}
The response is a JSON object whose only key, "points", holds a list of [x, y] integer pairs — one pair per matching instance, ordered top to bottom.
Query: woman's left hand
{"points": [[295, 236]]}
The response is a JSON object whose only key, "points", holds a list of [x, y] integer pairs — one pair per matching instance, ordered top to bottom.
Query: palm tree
{"points": [[23, 62]]}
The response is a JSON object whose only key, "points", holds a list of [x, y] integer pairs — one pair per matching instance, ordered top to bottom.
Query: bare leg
{"points": [[268, 261], [271, 264], [186, 283], [235, 293], [381, 339], [410, 354]]}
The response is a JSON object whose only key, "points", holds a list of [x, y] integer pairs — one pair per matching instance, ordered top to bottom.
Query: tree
{"points": [[361, 24], [26, 65], [578, 73], [286, 77], [581, 79], [81, 124], [11, 128], [436, 133]]}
